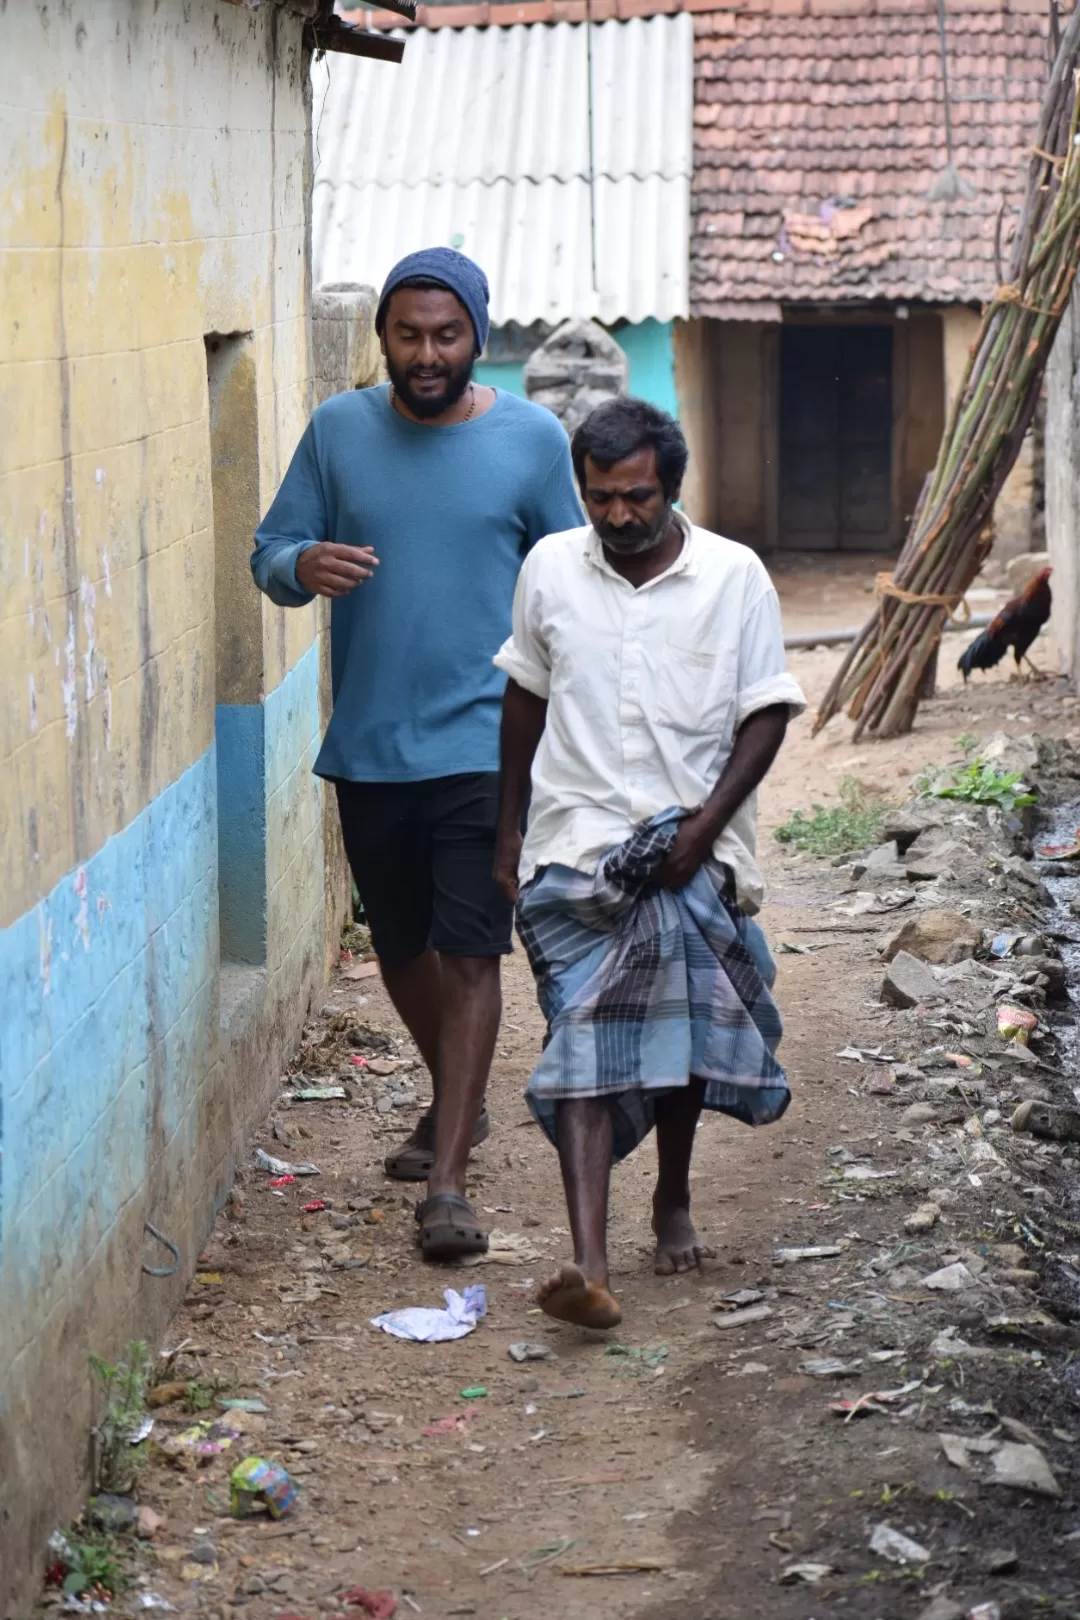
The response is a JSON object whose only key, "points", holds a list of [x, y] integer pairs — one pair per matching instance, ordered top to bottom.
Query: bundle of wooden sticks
{"points": [[883, 676]]}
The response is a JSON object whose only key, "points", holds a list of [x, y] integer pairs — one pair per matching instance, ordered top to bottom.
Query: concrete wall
{"points": [[155, 198], [726, 377], [918, 410], [1063, 486]]}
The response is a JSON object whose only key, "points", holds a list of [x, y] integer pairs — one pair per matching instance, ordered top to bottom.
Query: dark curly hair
{"points": [[619, 428]]}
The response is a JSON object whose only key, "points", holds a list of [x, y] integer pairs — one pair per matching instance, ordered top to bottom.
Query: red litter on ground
{"points": [[358, 1062], [283, 1181], [314, 1207], [456, 1423], [378, 1605]]}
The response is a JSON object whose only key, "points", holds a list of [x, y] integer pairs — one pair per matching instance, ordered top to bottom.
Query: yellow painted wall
{"points": [[154, 190], [145, 201]]}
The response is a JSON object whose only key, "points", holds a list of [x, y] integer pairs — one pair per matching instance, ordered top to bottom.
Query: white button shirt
{"points": [[646, 689]]}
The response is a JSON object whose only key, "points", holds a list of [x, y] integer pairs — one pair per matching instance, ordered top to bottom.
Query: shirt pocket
{"points": [[695, 691]]}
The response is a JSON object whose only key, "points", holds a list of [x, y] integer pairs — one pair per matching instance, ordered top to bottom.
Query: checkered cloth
{"points": [[642, 988]]}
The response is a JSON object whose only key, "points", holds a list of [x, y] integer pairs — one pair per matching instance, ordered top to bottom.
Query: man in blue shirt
{"points": [[413, 506]]}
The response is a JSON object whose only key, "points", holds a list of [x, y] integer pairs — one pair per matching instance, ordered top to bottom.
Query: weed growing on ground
{"points": [[977, 783], [854, 823], [125, 1385], [202, 1393], [91, 1569]]}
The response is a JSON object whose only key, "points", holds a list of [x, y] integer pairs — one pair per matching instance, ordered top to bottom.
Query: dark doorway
{"points": [[835, 438]]}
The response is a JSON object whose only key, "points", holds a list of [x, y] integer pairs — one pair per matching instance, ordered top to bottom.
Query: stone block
{"points": [[345, 350], [934, 936], [908, 982]]}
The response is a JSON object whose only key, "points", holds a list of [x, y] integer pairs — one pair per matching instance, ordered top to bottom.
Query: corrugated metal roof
{"points": [[480, 140]]}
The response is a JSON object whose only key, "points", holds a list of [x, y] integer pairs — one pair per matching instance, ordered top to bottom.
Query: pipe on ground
{"points": [[838, 638]]}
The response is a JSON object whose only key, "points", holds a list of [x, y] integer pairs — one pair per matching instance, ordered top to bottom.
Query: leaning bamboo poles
{"points": [[882, 677]]}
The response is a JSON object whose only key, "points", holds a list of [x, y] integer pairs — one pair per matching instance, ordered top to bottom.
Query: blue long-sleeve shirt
{"points": [[451, 513]]}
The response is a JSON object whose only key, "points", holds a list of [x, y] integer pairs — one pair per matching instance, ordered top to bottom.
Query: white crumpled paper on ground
{"points": [[426, 1324]]}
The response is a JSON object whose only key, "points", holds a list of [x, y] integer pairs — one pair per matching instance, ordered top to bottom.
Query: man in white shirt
{"points": [[647, 698]]}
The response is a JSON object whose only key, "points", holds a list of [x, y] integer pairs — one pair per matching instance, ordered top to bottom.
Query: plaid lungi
{"points": [[642, 988]]}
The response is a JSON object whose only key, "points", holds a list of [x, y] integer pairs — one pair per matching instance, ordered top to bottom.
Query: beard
{"points": [[455, 380], [633, 539]]}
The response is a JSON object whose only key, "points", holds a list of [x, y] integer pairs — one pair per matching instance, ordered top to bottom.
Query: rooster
{"points": [[1016, 626]]}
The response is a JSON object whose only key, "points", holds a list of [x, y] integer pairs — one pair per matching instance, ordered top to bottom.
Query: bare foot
{"points": [[678, 1246], [570, 1297]]}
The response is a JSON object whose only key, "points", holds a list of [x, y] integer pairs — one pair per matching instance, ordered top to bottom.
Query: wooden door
{"points": [[835, 438]]}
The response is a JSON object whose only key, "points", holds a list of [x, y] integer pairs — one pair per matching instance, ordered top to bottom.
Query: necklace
{"points": [[464, 419]]}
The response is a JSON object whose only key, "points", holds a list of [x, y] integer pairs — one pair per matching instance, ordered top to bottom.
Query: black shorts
{"points": [[422, 855]]}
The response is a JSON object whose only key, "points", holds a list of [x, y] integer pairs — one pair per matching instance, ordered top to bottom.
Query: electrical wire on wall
{"points": [[592, 143]]}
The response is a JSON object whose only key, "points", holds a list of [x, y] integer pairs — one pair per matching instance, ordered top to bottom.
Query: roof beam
{"points": [[332, 34]]}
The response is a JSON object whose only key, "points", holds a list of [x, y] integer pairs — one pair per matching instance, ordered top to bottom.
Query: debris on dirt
{"points": [[1069, 850], [867, 903], [942, 937], [360, 970], [909, 982], [1016, 1024], [319, 1094], [1053, 1124], [281, 1167], [866, 1172], [924, 1219], [505, 1249], [819, 1251], [951, 1279], [741, 1296], [742, 1317], [426, 1324], [531, 1352], [829, 1367], [166, 1394], [878, 1400], [456, 1423], [208, 1438], [1024, 1468], [256, 1483], [112, 1513], [147, 1522], [896, 1547], [625, 1566], [810, 1574], [376, 1605]]}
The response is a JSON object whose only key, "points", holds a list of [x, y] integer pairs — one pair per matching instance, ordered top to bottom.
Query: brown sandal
{"points": [[413, 1160], [449, 1228]]}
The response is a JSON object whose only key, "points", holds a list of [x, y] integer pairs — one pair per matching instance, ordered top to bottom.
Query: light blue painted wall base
{"points": [[648, 346], [650, 350], [241, 793], [105, 997]]}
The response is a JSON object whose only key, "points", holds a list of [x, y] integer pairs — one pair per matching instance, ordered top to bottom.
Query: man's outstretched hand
{"points": [[332, 570]]}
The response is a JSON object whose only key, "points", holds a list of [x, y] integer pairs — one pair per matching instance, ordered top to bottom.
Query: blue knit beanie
{"points": [[450, 269]]}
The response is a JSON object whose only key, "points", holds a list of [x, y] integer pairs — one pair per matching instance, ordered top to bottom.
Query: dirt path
{"points": [[703, 1456]]}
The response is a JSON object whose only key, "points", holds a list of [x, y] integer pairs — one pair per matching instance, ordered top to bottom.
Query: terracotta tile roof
{"points": [[505, 13], [819, 130]]}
